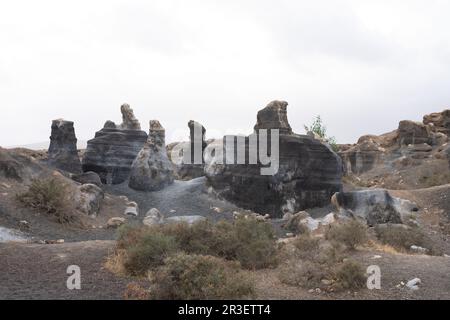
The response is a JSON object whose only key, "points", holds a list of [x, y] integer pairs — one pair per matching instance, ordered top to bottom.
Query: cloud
{"points": [[362, 65]]}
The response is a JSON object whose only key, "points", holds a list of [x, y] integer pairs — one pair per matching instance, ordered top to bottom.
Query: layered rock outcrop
{"points": [[440, 121], [63, 153], [111, 153], [192, 165], [152, 169], [308, 174]]}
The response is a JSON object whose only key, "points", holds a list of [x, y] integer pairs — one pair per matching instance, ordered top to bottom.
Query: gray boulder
{"points": [[62, 152], [152, 169], [89, 198], [375, 206]]}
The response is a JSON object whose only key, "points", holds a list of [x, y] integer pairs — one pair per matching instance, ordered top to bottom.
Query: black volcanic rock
{"points": [[62, 153], [111, 153], [152, 169], [189, 170], [309, 172]]}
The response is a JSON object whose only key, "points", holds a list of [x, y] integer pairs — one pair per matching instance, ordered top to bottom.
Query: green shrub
{"points": [[48, 196], [351, 233], [248, 241], [149, 252], [350, 275], [197, 277]]}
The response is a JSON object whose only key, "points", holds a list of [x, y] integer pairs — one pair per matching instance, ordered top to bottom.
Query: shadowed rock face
{"points": [[62, 153], [111, 153], [152, 169], [309, 172]]}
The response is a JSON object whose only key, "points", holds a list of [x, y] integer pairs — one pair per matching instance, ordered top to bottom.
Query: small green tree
{"points": [[321, 130]]}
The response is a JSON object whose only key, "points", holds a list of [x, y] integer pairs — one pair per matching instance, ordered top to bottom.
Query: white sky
{"points": [[362, 65]]}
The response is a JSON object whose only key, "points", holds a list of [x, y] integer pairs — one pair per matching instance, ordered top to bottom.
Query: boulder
{"points": [[410, 132], [112, 152], [63, 153], [152, 169], [308, 174], [88, 178], [89, 198], [375, 206], [131, 209], [153, 217], [115, 222]]}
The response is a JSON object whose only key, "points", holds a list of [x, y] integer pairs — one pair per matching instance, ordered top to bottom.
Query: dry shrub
{"points": [[49, 195], [351, 234], [402, 238], [307, 247], [305, 274], [350, 275], [198, 277], [134, 291]]}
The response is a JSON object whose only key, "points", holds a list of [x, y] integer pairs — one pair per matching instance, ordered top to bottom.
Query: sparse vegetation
{"points": [[320, 129], [436, 179], [49, 196], [351, 233], [402, 238], [248, 241], [149, 252], [350, 275], [188, 277]]}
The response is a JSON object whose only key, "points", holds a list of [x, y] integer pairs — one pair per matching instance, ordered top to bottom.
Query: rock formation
{"points": [[274, 116], [440, 121], [410, 132], [62, 153], [111, 153], [412, 156], [152, 169], [189, 169], [309, 171], [375, 206]]}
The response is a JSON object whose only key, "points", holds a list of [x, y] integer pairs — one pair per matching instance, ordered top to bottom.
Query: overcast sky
{"points": [[362, 65]]}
